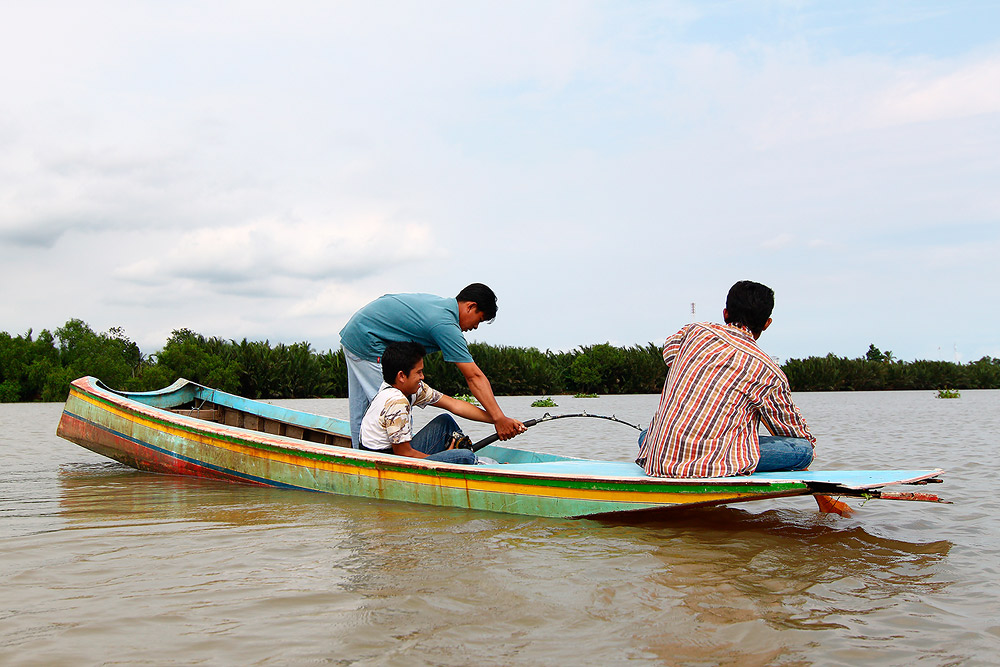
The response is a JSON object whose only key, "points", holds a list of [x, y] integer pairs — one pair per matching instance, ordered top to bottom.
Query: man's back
{"points": [[429, 320], [719, 387]]}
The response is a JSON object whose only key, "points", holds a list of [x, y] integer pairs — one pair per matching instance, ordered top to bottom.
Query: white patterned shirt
{"points": [[389, 419]]}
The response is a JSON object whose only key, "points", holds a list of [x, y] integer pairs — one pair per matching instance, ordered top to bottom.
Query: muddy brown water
{"points": [[100, 564]]}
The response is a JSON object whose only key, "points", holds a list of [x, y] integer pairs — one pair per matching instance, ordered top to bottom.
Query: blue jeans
{"points": [[434, 438], [777, 453]]}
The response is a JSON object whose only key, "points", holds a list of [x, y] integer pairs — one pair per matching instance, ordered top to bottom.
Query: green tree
{"points": [[874, 354], [190, 355], [109, 356], [41, 368], [333, 373], [584, 374]]}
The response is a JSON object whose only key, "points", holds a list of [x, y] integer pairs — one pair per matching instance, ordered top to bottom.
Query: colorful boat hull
{"points": [[164, 432]]}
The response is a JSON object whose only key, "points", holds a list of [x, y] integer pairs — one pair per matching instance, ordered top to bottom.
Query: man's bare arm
{"points": [[480, 387], [463, 409], [406, 449]]}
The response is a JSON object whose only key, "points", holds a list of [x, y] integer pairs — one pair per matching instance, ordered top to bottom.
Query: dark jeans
{"points": [[434, 438]]}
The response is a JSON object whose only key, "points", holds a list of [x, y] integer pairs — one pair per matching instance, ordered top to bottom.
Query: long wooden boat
{"points": [[190, 429]]}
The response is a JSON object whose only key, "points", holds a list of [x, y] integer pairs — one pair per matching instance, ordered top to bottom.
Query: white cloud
{"points": [[927, 94], [778, 242], [274, 248], [334, 299]]}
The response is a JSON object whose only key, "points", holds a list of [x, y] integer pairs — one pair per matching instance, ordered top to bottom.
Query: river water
{"points": [[100, 564]]}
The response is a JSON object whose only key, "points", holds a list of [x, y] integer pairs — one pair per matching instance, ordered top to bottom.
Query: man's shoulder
{"points": [[409, 297], [390, 301], [443, 302], [436, 309], [443, 313], [702, 326], [701, 329], [737, 338], [751, 351], [393, 395], [390, 399]]}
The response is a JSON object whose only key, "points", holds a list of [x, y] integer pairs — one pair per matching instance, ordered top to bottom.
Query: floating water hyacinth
{"points": [[544, 403]]}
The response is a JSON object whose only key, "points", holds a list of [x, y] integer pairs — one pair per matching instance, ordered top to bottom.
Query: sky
{"points": [[261, 170]]}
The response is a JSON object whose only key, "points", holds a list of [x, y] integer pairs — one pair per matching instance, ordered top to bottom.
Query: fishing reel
{"points": [[460, 441]]}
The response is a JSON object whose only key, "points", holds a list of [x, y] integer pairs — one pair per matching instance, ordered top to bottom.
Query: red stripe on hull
{"points": [[137, 455]]}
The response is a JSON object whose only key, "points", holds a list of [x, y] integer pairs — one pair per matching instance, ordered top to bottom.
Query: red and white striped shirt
{"points": [[719, 388]]}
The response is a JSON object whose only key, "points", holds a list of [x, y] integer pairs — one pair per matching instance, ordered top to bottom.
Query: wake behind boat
{"points": [[190, 429]]}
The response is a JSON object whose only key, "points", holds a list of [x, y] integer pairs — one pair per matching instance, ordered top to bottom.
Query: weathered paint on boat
{"points": [[161, 432]]}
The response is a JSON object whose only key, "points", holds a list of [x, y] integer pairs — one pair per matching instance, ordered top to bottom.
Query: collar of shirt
{"points": [[742, 329], [388, 387], [410, 398]]}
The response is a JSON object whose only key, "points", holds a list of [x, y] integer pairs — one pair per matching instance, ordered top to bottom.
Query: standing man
{"points": [[436, 323], [719, 388]]}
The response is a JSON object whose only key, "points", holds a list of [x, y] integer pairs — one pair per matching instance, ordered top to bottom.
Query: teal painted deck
{"points": [[851, 479]]}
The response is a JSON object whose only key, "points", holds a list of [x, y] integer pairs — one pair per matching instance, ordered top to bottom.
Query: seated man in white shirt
{"points": [[387, 426]]}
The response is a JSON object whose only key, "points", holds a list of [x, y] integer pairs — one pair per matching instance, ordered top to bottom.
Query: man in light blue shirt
{"points": [[436, 323]]}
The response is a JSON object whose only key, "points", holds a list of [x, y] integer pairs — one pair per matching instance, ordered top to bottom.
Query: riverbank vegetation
{"points": [[40, 368]]}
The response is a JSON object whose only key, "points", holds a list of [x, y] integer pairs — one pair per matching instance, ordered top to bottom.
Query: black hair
{"points": [[483, 297], [749, 304], [400, 357]]}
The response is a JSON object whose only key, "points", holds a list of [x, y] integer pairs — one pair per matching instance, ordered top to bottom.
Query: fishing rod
{"points": [[490, 439]]}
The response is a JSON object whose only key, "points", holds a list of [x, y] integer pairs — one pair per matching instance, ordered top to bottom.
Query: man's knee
{"points": [[446, 421], [804, 451], [778, 453], [462, 456]]}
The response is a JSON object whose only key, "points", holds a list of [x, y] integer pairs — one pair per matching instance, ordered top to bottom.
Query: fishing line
{"points": [[490, 439]]}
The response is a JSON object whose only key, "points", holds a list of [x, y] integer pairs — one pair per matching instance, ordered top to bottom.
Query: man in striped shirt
{"points": [[720, 386]]}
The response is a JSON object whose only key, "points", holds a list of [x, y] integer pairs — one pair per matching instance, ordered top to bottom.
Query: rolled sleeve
{"points": [[426, 395]]}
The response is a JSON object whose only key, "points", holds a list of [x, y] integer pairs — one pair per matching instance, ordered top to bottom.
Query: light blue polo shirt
{"points": [[429, 320]]}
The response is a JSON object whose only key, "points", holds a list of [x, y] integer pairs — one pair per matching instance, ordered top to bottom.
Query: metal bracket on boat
{"points": [[490, 439]]}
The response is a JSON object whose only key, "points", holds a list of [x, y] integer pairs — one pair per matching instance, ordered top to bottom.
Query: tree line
{"points": [[40, 368], [878, 371]]}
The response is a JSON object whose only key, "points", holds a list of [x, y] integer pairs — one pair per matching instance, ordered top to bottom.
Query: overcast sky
{"points": [[262, 169]]}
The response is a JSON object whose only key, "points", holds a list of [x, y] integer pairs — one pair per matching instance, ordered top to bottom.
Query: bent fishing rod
{"points": [[490, 439]]}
